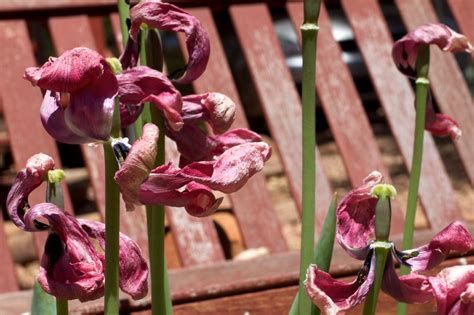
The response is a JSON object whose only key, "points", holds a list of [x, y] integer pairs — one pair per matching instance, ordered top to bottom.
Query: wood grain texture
{"points": [[462, 11], [449, 88], [278, 96], [397, 98], [21, 103], [344, 109], [252, 205], [9, 281]]}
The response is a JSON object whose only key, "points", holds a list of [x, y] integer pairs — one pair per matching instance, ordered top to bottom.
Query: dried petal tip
{"points": [[221, 110]]}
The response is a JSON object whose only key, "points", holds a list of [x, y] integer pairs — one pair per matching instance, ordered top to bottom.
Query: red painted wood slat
{"points": [[463, 11], [449, 87], [277, 93], [397, 97], [21, 104], [344, 109], [252, 204], [9, 282]]}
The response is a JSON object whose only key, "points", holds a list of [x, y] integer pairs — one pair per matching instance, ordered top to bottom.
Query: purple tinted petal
{"points": [[165, 16], [405, 50], [129, 57], [70, 72], [142, 84], [216, 108], [90, 111], [129, 114], [52, 117], [440, 125], [137, 166], [232, 169], [27, 180], [356, 217], [455, 237], [70, 267], [133, 269], [449, 286], [412, 288], [333, 296]]}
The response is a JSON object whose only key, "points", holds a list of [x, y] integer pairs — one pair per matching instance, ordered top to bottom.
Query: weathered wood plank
{"points": [[462, 11], [449, 88], [277, 93], [397, 98], [21, 104], [344, 109], [252, 205], [9, 282]]}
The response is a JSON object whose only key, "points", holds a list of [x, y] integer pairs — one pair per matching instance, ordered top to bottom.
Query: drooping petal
{"points": [[165, 16], [405, 50], [129, 57], [70, 72], [142, 84], [215, 108], [90, 111], [129, 114], [52, 117], [440, 125], [137, 166], [232, 169], [27, 180], [356, 217], [455, 237], [70, 268], [133, 269], [412, 288], [453, 290], [334, 297]]}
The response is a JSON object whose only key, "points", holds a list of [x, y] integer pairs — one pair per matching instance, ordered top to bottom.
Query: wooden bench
{"points": [[205, 274]]}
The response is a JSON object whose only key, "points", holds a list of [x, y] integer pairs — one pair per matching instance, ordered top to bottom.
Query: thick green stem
{"points": [[124, 13], [309, 32], [422, 90], [112, 222], [381, 251], [61, 307]]}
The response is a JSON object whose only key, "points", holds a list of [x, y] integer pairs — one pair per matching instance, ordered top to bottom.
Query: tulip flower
{"points": [[168, 17], [405, 53], [86, 76], [356, 223], [71, 266]]}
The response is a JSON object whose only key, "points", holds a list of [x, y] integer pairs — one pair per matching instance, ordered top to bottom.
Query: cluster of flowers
{"points": [[71, 267], [452, 288]]}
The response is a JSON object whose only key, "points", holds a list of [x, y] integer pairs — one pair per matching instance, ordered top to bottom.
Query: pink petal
{"points": [[165, 16], [405, 50], [70, 72], [142, 84], [129, 114], [137, 166], [27, 180], [356, 217], [455, 237], [70, 267], [133, 269], [449, 286], [412, 288], [332, 296]]}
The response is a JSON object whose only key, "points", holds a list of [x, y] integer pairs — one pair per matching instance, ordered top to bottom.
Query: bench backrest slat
{"points": [[462, 11], [277, 94], [455, 102], [7, 271]]}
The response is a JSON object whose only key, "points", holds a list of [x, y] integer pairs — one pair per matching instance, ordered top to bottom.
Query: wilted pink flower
{"points": [[165, 16], [405, 54], [86, 76], [142, 84], [355, 225], [71, 266]]}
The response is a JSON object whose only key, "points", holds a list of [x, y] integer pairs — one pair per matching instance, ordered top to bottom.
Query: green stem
{"points": [[124, 13], [309, 32], [422, 90], [112, 222], [381, 251], [61, 307]]}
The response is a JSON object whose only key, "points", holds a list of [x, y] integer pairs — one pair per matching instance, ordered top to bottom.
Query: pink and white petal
{"points": [[165, 16], [70, 72], [137, 165], [27, 180], [356, 217], [455, 237], [133, 269], [332, 296]]}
